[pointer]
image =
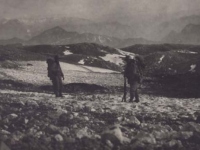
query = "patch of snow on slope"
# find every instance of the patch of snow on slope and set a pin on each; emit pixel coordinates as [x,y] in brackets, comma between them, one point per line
[114,58]
[67,52]
[109,39]
[192,68]
[103,51]
[186,52]
[117,58]
[124,52]
[82,62]
[100,40]
[100,70]
[161,58]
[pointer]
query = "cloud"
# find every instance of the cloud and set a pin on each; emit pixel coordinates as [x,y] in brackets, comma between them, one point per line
[137,10]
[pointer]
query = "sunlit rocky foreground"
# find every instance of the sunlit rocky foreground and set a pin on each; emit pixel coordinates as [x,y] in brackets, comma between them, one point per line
[38,121]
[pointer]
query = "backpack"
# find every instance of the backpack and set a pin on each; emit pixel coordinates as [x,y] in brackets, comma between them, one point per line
[134,69]
[140,65]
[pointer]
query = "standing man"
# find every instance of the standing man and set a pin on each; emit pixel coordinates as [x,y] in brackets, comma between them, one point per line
[56,75]
[133,75]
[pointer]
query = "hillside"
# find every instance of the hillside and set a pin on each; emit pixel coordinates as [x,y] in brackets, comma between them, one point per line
[168,59]
[90,54]
[160,59]
[11,41]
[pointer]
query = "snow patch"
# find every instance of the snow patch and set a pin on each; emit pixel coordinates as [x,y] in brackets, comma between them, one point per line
[103,51]
[82,62]
[113,58]
[192,68]
[100,40]
[161,58]
[186,52]
[67,52]
[125,53]
[109,39]
[100,70]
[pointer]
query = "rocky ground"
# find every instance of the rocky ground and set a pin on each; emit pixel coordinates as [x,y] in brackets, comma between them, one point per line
[39,121]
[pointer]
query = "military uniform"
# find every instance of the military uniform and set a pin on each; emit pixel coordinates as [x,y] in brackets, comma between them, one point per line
[134,79]
[55,74]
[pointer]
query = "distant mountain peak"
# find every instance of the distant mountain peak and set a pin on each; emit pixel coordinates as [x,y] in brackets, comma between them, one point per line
[12,22]
[191,28]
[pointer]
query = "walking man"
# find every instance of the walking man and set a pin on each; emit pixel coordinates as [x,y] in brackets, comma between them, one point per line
[56,75]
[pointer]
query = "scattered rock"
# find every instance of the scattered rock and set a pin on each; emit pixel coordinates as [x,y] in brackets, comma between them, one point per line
[65,119]
[69,108]
[160,135]
[52,129]
[93,110]
[64,130]
[109,143]
[182,135]
[77,107]
[75,126]
[5,132]
[12,116]
[191,126]
[75,114]
[134,121]
[86,118]
[26,121]
[174,144]
[70,140]
[58,138]
[84,132]
[88,108]
[114,135]
[61,111]
[145,138]
[120,118]
[131,122]
[44,139]
[38,134]
[18,104]
[16,136]
[32,103]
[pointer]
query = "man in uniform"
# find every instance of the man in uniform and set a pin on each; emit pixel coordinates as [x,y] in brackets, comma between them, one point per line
[56,75]
[133,75]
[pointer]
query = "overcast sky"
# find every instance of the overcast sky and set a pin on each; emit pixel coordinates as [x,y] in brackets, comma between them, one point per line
[100,9]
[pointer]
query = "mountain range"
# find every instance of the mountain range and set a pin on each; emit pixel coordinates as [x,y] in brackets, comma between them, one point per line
[55,30]
[59,36]
[34,26]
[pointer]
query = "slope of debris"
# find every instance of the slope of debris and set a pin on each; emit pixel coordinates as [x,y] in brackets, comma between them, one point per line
[31,120]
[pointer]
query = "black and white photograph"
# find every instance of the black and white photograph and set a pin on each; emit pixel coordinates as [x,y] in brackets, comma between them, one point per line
[99,74]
